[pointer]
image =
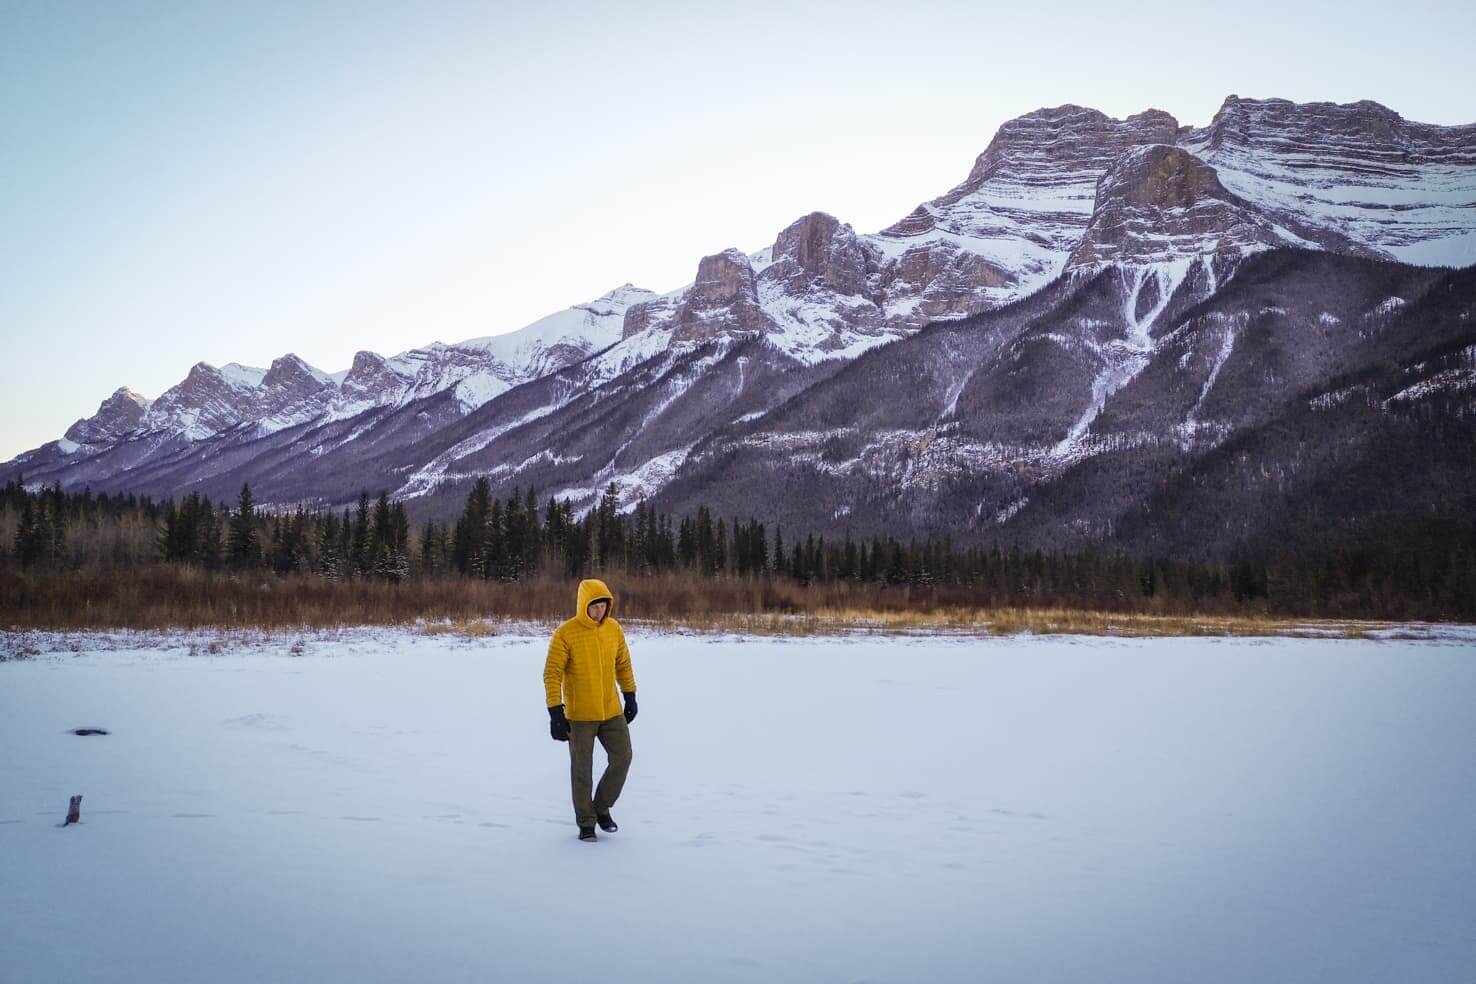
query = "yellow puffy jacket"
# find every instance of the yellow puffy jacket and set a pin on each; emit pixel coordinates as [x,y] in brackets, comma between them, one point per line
[585,658]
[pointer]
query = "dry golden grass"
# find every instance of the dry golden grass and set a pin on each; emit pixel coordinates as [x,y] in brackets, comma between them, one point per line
[1012,621]
[472,628]
[986,622]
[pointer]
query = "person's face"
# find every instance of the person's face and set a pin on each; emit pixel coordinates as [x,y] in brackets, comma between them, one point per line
[597,610]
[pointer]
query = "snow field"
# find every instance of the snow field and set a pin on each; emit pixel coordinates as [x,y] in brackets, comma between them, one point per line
[388,806]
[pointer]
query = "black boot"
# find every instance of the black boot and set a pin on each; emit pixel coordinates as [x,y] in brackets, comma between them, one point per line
[607,823]
[587,833]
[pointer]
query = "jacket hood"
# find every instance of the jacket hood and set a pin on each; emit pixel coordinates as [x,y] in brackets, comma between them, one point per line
[590,590]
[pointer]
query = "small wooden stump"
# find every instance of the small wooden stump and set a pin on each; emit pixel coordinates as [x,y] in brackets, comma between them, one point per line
[74,810]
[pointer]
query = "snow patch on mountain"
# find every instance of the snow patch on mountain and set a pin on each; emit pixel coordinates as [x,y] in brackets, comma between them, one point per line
[1124,358]
[585,327]
[632,485]
[1445,381]
[241,377]
[437,470]
[1358,171]
[477,389]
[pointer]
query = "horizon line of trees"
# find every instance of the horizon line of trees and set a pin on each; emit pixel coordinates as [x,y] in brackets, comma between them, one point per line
[513,538]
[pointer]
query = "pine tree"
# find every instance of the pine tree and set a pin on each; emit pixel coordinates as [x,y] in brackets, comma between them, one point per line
[471,530]
[608,543]
[361,557]
[211,528]
[553,523]
[345,546]
[686,544]
[26,545]
[720,549]
[494,556]
[532,533]
[399,542]
[330,561]
[578,547]
[277,548]
[242,544]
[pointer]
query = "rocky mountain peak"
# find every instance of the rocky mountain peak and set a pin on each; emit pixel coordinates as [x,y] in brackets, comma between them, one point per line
[1354,177]
[722,300]
[723,277]
[370,378]
[626,294]
[206,378]
[206,401]
[202,372]
[365,362]
[1039,146]
[124,397]
[291,372]
[119,414]
[807,241]
[639,317]
[606,320]
[820,247]
[1160,203]
[548,344]
[1261,121]
[1013,223]
[291,391]
[1161,176]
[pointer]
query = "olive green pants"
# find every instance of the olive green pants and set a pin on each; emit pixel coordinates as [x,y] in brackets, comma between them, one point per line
[614,736]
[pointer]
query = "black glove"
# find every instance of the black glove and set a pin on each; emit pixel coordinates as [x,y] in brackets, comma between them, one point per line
[558,725]
[630,707]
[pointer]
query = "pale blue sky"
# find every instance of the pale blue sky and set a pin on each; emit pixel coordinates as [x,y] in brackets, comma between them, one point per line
[229,182]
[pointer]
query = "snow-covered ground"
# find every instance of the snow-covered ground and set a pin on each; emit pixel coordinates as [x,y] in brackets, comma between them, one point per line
[388,806]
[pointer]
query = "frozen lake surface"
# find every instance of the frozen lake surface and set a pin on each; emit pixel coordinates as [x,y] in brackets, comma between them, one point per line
[388,807]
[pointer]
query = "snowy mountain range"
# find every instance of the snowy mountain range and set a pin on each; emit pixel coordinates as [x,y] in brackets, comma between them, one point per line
[1100,305]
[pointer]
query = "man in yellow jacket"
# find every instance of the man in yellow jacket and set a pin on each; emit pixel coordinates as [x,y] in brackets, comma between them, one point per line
[586,657]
